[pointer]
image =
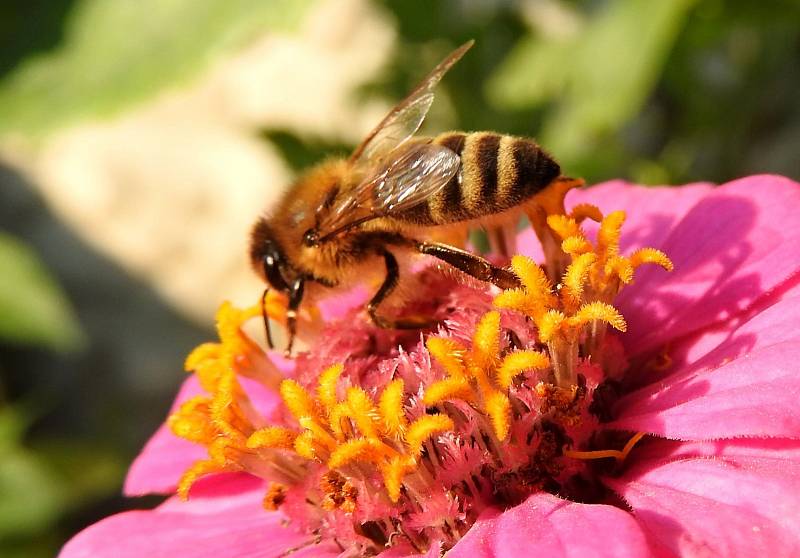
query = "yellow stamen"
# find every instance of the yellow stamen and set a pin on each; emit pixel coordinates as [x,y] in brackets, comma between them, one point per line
[339,420]
[272,437]
[498,407]
[328,380]
[225,412]
[651,255]
[192,421]
[199,469]
[448,389]
[574,280]
[425,427]
[533,278]
[602,312]
[297,400]
[363,412]
[564,226]
[449,354]
[320,434]
[620,456]
[517,299]
[391,409]
[609,234]
[621,267]
[201,354]
[550,325]
[486,341]
[357,449]
[304,446]
[393,472]
[518,362]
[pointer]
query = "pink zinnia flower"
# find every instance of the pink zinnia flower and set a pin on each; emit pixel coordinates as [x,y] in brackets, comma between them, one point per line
[526,422]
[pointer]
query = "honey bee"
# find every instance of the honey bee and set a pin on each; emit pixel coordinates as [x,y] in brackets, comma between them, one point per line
[345,218]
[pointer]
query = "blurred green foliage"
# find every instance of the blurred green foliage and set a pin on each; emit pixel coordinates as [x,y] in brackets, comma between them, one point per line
[33,308]
[34,492]
[657,91]
[114,53]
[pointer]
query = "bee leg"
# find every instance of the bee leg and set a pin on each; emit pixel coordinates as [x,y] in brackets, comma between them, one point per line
[386,288]
[469,263]
[265,317]
[503,239]
[295,298]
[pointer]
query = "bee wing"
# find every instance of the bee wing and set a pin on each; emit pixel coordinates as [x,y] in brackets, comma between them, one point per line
[413,173]
[405,118]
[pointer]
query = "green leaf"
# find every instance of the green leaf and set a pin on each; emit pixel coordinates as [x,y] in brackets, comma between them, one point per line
[616,65]
[88,470]
[32,496]
[119,52]
[33,309]
[535,71]
[597,79]
[12,427]
[621,57]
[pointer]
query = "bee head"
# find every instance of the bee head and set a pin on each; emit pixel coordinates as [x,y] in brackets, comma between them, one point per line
[269,260]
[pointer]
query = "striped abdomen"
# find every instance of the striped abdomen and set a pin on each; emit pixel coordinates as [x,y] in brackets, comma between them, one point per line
[497,172]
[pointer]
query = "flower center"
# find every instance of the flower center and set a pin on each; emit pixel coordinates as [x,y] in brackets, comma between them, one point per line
[408,447]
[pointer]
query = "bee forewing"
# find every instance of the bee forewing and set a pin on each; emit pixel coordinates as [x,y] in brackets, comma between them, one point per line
[406,117]
[412,174]
[395,131]
[415,176]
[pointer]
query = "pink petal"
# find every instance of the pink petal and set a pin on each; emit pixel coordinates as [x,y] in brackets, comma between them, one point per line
[206,526]
[165,457]
[760,325]
[716,507]
[545,525]
[736,244]
[749,379]
[780,454]
[529,245]
[651,211]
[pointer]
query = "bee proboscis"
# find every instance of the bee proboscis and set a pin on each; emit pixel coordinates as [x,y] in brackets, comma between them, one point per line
[389,198]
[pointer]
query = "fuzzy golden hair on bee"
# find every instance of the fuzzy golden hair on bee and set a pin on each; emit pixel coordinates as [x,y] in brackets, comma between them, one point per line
[397,195]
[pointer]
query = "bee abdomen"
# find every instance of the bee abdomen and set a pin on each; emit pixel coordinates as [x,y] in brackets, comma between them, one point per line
[497,172]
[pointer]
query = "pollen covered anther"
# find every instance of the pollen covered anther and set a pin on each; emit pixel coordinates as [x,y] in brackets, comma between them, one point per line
[481,376]
[572,317]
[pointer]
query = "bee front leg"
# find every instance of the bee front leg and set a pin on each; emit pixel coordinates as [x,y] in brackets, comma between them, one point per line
[469,263]
[295,298]
[386,288]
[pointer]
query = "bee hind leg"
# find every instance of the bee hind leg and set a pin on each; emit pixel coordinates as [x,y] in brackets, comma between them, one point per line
[469,263]
[386,288]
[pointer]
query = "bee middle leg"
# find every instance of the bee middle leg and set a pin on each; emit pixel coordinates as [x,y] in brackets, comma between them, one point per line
[469,263]
[386,288]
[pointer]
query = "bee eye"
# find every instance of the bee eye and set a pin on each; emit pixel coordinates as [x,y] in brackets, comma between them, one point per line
[311,238]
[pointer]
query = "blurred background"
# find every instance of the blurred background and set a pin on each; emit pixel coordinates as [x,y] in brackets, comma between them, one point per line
[139,140]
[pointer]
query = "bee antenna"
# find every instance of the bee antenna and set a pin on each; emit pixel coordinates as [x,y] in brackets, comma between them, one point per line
[265,315]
